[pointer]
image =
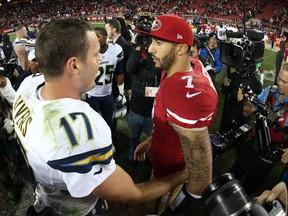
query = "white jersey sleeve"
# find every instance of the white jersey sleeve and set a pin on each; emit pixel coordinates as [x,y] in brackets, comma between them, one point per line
[8,92]
[112,56]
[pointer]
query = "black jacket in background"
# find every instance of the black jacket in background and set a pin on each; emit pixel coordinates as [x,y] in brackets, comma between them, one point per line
[144,74]
[278,62]
[127,49]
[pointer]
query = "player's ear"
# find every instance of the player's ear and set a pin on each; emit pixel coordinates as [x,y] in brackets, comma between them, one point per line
[182,49]
[72,64]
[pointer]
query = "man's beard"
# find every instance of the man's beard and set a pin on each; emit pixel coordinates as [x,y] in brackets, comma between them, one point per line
[168,60]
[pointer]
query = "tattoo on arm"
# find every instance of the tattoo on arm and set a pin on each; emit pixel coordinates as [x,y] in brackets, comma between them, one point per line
[197,152]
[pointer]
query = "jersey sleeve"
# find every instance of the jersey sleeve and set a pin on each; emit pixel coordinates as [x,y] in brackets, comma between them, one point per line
[82,173]
[120,53]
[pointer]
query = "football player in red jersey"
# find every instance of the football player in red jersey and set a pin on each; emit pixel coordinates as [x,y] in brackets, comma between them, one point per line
[184,109]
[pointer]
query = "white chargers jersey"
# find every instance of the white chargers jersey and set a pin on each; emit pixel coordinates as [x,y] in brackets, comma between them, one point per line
[67,144]
[221,32]
[29,45]
[107,69]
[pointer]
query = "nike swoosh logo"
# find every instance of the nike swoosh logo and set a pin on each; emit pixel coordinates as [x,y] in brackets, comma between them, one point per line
[98,172]
[188,95]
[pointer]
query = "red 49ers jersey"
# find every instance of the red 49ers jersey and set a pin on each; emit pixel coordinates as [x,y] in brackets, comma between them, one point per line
[207,29]
[189,100]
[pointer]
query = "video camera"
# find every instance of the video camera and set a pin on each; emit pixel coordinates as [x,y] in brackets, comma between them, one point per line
[144,23]
[267,150]
[203,38]
[7,69]
[225,196]
[246,54]
[234,137]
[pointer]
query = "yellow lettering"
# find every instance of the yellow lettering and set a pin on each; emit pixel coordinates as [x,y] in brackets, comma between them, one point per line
[22,115]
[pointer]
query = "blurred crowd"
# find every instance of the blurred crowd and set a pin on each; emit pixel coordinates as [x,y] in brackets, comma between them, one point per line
[12,15]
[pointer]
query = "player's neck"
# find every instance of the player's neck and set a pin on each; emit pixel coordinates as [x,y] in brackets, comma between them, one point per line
[181,65]
[116,36]
[58,90]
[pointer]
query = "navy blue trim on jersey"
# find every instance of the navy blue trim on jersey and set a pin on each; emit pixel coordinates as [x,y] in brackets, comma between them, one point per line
[120,55]
[83,163]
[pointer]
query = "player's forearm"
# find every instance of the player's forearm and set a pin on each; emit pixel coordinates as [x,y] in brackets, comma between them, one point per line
[157,187]
[199,164]
[148,140]
[21,53]
[119,79]
[120,186]
[23,62]
[197,151]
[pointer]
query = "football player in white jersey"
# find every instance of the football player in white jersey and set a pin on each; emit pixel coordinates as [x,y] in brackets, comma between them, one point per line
[66,143]
[19,47]
[100,98]
[22,47]
[221,33]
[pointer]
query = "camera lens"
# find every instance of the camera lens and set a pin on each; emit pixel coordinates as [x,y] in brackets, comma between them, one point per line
[226,197]
[231,54]
[6,70]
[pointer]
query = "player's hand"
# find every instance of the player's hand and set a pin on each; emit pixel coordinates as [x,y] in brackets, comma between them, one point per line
[142,149]
[3,81]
